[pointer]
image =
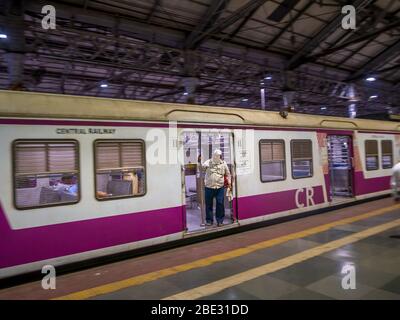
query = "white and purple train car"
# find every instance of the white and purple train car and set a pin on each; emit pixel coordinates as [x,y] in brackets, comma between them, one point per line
[85,177]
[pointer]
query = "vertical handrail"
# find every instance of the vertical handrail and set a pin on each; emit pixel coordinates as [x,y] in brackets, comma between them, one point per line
[200,177]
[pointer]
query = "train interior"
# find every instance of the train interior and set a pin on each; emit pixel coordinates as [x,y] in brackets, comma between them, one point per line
[198,147]
[340,167]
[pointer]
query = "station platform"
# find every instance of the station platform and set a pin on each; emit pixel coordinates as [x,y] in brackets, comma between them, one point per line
[305,258]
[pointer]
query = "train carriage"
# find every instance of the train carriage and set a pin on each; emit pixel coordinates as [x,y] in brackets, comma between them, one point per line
[130,173]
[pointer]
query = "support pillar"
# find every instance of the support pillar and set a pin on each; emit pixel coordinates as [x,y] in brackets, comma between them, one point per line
[15,66]
[352,95]
[263,98]
[190,84]
[288,90]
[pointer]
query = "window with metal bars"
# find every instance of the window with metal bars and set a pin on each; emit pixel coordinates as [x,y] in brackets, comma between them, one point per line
[272,160]
[120,168]
[387,154]
[46,172]
[302,159]
[371,155]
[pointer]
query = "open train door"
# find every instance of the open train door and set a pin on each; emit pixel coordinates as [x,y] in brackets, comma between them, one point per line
[340,160]
[197,147]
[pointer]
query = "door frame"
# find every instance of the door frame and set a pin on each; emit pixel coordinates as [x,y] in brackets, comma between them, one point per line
[233,173]
[351,161]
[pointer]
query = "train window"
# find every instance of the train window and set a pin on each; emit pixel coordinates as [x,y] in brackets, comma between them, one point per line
[272,160]
[371,155]
[120,169]
[302,162]
[45,173]
[387,154]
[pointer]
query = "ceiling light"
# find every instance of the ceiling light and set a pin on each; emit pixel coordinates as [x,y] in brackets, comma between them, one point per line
[268,78]
[3,36]
[245,99]
[373,97]
[104,85]
[370,79]
[185,93]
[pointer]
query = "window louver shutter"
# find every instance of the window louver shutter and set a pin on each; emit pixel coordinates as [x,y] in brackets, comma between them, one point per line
[266,151]
[62,157]
[272,151]
[387,147]
[301,150]
[278,151]
[30,158]
[371,147]
[36,158]
[107,155]
[132,154]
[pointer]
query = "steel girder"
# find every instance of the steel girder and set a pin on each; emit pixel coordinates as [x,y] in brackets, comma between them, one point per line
[300,57]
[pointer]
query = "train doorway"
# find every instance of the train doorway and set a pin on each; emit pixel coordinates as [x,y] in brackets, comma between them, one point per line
[198,146]
[340,150]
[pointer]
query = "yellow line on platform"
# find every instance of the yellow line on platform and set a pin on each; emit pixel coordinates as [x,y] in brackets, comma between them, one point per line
[219,285]
[140,279]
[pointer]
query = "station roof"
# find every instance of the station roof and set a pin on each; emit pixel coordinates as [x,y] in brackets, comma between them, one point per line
[230,49]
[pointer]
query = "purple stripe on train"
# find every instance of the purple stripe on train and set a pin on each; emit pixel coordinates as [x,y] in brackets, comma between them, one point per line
[365,186]
[263,204]
[46,242]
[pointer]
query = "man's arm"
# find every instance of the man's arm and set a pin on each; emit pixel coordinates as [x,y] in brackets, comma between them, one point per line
[206,164]
[228,174]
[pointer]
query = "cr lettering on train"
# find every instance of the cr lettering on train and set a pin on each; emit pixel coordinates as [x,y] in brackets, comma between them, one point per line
[304,197]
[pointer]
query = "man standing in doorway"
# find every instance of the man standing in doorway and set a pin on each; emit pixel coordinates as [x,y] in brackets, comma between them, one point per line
[217,176]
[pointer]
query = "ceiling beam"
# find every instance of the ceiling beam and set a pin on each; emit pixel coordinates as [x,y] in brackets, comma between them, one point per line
[155,34]
[377,61]
[224,23]
[299,58]
[211,15]
[159,35]
[244,21]
[395,67]
[153,10]
[370,23]
[290,23]
[367,36]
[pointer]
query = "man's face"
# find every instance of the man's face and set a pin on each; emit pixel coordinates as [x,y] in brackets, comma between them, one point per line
[216,157]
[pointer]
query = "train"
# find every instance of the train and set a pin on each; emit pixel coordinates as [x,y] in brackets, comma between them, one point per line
[87,177]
